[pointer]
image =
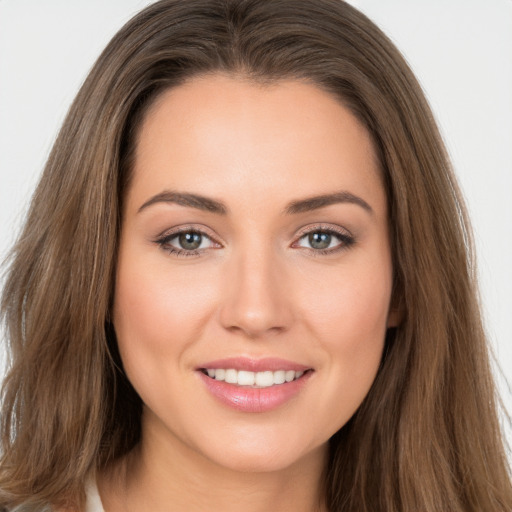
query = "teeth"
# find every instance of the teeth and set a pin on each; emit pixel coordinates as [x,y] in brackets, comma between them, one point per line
[231,377]
[255,379]
[279,377]
[245,378]
[264,379]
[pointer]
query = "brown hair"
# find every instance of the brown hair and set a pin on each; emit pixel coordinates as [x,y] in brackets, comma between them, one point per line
[425,438]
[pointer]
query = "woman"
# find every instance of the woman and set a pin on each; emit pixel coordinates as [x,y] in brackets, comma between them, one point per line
[244,281]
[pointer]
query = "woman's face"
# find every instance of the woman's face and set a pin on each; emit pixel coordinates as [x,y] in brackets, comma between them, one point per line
[254,250]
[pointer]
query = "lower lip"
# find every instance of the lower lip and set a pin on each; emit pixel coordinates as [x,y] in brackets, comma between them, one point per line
[248,399]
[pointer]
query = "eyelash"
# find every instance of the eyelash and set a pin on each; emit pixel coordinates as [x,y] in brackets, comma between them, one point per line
[164,241]
[346,241]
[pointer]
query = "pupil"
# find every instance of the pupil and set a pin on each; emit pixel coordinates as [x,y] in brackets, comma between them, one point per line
[319,240]
[190,240]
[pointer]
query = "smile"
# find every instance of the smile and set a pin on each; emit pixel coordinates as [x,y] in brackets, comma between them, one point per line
[254,385]
[262,379]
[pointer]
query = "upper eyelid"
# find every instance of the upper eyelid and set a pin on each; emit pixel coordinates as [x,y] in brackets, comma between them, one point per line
[329,228]
[169,233]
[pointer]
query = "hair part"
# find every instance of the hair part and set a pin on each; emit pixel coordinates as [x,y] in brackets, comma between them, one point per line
[425,438]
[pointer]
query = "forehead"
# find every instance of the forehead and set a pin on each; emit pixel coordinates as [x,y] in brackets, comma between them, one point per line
[222,136]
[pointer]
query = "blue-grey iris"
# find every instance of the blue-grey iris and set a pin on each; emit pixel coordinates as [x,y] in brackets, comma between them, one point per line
[190,240]
[319,240]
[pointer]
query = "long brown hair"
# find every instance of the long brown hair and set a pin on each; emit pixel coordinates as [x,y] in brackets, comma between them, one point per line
[425,438]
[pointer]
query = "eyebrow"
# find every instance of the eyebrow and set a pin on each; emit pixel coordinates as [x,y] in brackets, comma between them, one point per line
[295,207]
[187,199]
[316,202]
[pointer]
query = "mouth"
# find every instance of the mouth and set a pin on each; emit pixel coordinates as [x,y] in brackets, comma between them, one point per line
[257,380]
[254,385]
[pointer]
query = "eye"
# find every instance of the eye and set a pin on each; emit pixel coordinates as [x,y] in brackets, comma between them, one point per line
[189,240]
[325,241]
[186,242]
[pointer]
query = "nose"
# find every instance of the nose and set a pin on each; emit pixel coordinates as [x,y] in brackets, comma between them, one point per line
[257,302]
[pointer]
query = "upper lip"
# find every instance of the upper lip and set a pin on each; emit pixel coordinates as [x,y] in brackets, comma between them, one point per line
[254,365]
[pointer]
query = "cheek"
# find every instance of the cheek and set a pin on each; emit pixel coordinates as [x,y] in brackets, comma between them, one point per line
[349,321]
[352,308]
[352,334]
[158,312]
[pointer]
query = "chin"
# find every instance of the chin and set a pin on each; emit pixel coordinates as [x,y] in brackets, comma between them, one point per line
[257,453]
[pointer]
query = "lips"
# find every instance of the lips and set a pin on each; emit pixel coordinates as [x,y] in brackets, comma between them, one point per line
[250,385]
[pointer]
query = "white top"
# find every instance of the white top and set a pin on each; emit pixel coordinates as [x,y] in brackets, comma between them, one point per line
[93,502]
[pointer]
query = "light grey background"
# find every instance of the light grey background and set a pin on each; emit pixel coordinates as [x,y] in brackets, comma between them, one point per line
[461,50]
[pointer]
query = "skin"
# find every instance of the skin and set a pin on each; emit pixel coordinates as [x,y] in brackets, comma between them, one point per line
[257,288]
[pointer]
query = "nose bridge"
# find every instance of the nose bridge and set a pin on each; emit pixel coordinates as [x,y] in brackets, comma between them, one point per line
[256,301]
